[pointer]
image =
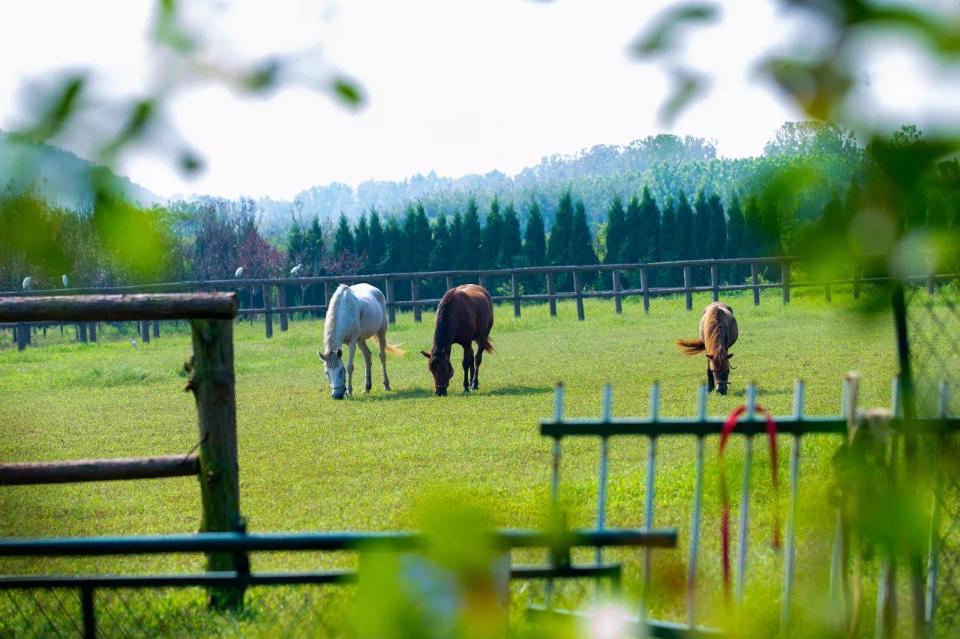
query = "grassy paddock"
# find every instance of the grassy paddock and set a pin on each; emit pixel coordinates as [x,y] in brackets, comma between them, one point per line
[310,463]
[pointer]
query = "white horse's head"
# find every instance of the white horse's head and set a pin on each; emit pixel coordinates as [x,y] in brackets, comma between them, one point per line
[336,372]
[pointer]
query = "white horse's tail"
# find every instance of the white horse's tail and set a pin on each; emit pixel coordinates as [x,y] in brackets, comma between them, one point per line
[394,349]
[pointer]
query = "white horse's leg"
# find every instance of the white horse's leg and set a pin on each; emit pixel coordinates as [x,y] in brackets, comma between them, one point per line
[382,342]
[350,353]
[367,360]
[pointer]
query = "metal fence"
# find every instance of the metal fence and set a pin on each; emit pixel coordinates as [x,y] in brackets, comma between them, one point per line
[121,605]
[939,585]
[267,298]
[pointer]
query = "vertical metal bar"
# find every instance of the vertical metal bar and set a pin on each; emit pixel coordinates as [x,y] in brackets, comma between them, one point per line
[687,290]
[651,489]
[550,297]
[602,480]
[886,592]
[790,549]
[645,289]
[617,298]
[744,522]
[694,550]
[933,557]
[554,482]
[89,613]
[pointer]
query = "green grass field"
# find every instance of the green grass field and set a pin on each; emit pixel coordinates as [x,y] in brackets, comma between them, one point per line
[308,462]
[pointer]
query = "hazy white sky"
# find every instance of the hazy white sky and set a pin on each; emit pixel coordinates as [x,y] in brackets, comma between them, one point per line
[452,86]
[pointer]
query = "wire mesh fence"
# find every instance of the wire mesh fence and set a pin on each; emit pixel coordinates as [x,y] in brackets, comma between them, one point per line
[933,331]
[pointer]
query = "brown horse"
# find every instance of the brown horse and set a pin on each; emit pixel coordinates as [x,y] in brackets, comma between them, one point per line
[464,315]
[718,332]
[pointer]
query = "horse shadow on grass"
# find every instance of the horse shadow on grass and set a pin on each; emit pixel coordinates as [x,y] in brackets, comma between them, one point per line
[418,393]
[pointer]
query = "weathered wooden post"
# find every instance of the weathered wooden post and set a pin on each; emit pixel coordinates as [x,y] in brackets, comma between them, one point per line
[827,292]
[145,331]
[391,307]
[22,334]
[267,310]
[515,290]
[617,298]
[785,281]
[755,279]
[931,283]
[550,298]
[579,293]
[645,289]
[92,331]
[212,384]
[482,279]
[715,281]
[687,291]
[156,328]
[414,297]
[282,304]
[326,297]
[449,282]
[81,333]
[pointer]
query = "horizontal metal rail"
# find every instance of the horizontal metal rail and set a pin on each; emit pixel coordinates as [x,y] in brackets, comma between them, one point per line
[326,541]
[238,579]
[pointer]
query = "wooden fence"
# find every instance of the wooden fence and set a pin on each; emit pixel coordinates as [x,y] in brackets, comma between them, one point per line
[578,282]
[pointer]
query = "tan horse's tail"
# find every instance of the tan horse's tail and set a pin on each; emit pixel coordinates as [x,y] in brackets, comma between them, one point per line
[691,346]
[394,349]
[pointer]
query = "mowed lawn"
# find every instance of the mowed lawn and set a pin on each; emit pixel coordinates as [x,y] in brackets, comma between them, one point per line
[308,462]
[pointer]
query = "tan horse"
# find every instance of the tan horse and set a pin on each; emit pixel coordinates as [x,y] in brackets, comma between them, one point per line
[718,332]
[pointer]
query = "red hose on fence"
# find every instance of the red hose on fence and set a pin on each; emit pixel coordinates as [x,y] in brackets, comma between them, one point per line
[725,431]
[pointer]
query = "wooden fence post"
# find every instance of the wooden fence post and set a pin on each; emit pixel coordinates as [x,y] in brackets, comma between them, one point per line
[81,333]
[326,297]
[931,283]
[156,328]
[391,307]
[482,280]
[617,298]
[145,331]
[579,292]
[414,296]
[785,281]
[449,282]
[212,383]
[715,281]
[22,333]
[267,310]
[550,298]
[827,292]
[645,289]
[92,331]
[755,279]
[855,276]
[515,290]
[282,304]
[687,291]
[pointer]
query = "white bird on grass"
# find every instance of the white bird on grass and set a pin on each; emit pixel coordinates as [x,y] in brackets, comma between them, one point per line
[296,269]
[65,280]
[27,282]
[238,272]
[133,343]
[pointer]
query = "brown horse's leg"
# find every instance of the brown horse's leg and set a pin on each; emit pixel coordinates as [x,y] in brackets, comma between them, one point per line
[475,384]
[467,366]
[710,384]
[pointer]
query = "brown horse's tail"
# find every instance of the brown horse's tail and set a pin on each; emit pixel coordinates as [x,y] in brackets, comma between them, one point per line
[486,344]
[691,346]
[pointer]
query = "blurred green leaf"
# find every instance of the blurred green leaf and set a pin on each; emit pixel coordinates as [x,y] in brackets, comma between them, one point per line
[348,92]
[167,29]
[264,77]
[687,86]
[60,106]
[662,34]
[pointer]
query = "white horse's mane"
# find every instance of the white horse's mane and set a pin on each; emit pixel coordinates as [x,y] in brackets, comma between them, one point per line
[342,312]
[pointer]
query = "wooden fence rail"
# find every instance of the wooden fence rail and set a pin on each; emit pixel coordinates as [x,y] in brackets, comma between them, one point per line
[603,281]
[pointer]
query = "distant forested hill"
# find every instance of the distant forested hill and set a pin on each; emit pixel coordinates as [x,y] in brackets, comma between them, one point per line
[60,177]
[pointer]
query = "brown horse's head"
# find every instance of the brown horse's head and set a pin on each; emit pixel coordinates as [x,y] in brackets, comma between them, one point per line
[441,369]
[718,367]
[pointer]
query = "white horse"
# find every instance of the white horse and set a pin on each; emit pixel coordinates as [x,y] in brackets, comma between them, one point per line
[354,314]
